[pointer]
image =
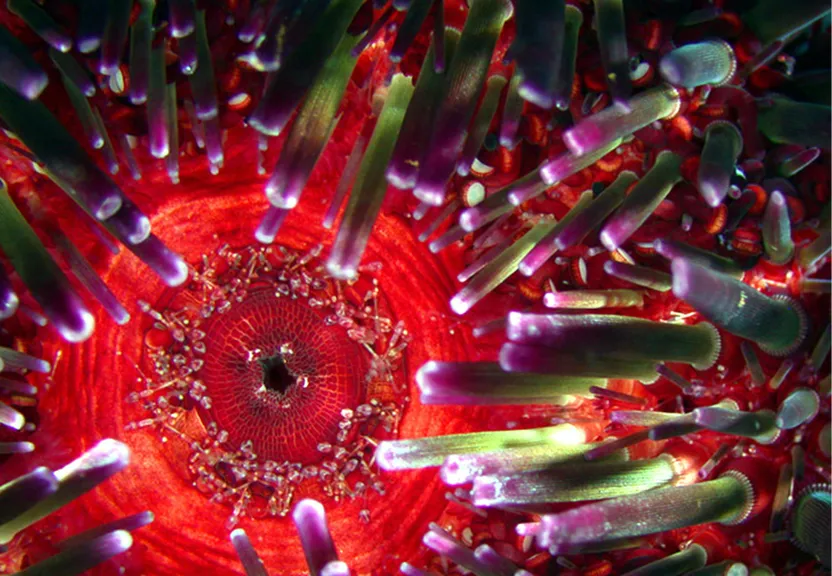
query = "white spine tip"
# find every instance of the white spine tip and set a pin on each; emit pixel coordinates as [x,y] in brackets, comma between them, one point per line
[83,333]
[306,508]
[180,276]
[459,305]
[607,241]
[384,456]
[421,381]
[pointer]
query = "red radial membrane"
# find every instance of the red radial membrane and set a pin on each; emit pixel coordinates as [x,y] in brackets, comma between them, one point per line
[280,376]
[275,376]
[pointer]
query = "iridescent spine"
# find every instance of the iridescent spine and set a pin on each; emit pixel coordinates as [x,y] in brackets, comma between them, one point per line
[130,225]
[18,69]
[188,52]
[370,185]
[574,18]
[460,555]
[463,468]
[574,232]
[181,13]
[643,199]
[583,363]
[785,121]
[446,212]
[39,272]
[441,61]
[723,144]
[346,181]
[783,371]
[777,230]
[464,81]
[777,325]
[157,127]
[798,408]
[496,205]
[485,383]
[417,453]
[172,123]
[705,63]
[418,119]
[639,275]
[311,128]
[814,253]
[335,568]
[821,350]
[249,558]
[310,520]
[82,556]
[270,224]
[63,158]
[479,129]
[561,167]
[113,36]
[141,37]
[759,425]
[92,19]
[620,336]
[10,417]
[795,163]
[75,479]
[71,69]
[613,123]
[18,361]
[107,151]
[593,299]
[772,20]
[417,11]
[615,54]
[752,362]
[287,85]
[129,523]
[672,249]
[84,114]
[483,260]
[19,495]
[538,49]
[810,522]
[9,300]
[512,112]
[170,267]
[499,269]
[574,482]
[727,499]
[87,276]
[682,562]
[202,82]
[41,23]
[547,247]
[492,560]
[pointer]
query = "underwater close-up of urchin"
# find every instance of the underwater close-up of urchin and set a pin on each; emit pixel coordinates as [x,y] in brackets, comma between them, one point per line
[418,287]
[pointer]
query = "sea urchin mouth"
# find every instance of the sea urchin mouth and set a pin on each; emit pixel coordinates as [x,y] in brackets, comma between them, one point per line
[276,376]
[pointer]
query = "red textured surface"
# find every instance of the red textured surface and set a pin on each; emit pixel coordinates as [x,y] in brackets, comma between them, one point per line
[281,426]
[86,401]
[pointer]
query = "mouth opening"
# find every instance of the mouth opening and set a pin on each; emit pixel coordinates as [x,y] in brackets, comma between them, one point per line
[276,375]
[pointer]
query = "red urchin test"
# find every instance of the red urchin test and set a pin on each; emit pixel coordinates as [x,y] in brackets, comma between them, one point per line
[332,287]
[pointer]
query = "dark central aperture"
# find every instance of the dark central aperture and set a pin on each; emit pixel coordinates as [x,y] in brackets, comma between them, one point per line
[276,375]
